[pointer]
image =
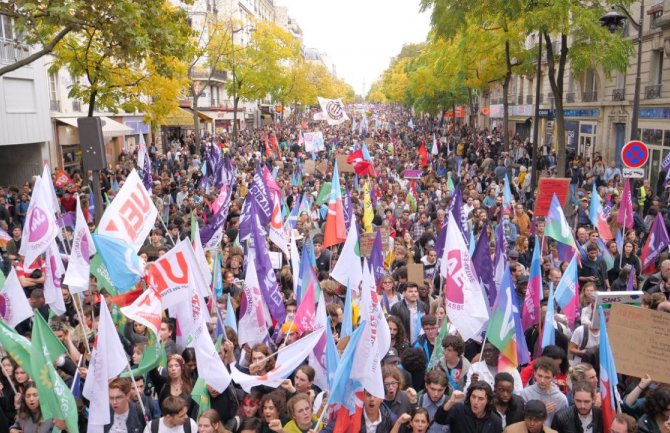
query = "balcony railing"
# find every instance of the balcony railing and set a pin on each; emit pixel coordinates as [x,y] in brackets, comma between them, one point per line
[54,105]
[529,99]
[570,97]
[589,96]
[619,95]
[652,92]
[10,52]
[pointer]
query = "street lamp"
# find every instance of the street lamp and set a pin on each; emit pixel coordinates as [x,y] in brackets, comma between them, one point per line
[613,20]
[232,44]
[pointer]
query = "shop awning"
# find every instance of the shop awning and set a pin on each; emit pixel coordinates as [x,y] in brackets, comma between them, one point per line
[179,117]
[110,128]
[206,116]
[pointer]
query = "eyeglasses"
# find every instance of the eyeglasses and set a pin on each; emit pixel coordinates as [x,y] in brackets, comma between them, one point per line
[117,398]
[390,384]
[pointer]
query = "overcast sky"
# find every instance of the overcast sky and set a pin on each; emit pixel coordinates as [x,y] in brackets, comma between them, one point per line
[360,36]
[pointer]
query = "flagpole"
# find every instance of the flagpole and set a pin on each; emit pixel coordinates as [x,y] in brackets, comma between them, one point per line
[139,395]
[74,378]
[167,231]
[82,323]
[323,412]
[11,382]
[287,335]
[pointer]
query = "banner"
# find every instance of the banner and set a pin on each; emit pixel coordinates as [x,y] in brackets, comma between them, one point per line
[63,181]
[333,110]
[131,215]
[314,141]
[40,227]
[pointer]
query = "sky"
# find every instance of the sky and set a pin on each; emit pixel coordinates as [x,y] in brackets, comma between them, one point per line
[359,36]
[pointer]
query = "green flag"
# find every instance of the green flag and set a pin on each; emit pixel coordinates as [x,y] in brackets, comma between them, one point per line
[2,279]
[438,351]
[153,356]
[99,271]
[324,194]
[200,395]
[56,399]
[16,345]
[53,344]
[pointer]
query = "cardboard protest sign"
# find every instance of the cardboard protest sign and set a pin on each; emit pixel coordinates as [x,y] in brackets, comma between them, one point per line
[640,340]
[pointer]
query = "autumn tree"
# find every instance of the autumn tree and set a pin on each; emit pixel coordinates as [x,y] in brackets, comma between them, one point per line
[114,62]
[574,38]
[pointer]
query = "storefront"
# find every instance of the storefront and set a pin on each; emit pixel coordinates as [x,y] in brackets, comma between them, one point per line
[67,133]
[581,130]
[654,130]
[521,117]
[136,123]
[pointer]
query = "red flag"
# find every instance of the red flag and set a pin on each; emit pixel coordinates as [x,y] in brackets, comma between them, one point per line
[64,181]
[361,165]
[347,423]
[126,298]
[424,153]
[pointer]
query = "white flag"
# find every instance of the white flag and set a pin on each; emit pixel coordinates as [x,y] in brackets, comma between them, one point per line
[466,307]
[333,111]
[278,234]
[141,151]
[375,340]
[107,361]
[131,215]
[53,295]
[40,227]
[288,359]
[49,187]
[14,306]
[434,150]
[174,272]
[201,261]
[347,270]
[79,265]
[251,326]
[147,309]
[295,260]
[210,365]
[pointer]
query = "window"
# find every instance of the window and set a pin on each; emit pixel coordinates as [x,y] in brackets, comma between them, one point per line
[53,86]
[656,70]
[7,28]
[652,137]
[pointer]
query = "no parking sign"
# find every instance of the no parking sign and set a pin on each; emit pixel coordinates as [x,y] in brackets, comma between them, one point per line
[634,154]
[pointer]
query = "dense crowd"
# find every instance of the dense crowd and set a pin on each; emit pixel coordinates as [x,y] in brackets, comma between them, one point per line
[462,389]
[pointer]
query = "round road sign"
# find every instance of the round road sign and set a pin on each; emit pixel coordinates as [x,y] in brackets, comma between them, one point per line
[634,154]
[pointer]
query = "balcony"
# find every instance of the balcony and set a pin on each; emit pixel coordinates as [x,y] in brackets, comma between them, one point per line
[619,95]
[76,106]
[204,75]
[590,97]
[529,99]
[54,105]
[652,92]
[570,97]
[10,51]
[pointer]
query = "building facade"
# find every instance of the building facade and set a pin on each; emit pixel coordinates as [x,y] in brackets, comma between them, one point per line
[597,108]
[24,112]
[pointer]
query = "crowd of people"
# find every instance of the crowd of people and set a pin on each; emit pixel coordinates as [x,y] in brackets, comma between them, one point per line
[463,391]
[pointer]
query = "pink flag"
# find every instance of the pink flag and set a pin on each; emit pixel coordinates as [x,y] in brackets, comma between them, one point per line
[271,182]
[305,315]
[625,217]
[40,227]
[220,199]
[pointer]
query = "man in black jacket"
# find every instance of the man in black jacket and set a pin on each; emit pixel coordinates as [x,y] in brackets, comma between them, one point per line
[408,311]
[583,416]
[476,415]
[125,415]
[507,405]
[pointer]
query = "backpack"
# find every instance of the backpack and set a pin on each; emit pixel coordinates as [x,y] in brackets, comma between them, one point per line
[156,423]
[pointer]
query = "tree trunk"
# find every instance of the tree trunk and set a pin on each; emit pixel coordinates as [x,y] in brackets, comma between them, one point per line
[91,103]
[508,76]
[556,83]
[196,118]
[236,100]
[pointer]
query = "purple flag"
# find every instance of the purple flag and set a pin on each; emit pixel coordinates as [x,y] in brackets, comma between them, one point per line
[481,260]
[261,195]
[441,240]
[655,244]
[146,174]
[267,281]
[630,284]
[457,211]
[348,208]
[373,196]
[216,221]
[377,258]
[665,165]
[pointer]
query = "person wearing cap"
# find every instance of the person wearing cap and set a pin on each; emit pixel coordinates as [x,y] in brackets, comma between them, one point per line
[535,415]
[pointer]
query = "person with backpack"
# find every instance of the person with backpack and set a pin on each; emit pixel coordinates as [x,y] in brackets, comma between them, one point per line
[174,419]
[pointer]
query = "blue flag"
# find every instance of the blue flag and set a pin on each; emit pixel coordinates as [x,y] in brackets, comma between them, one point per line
[218,277]
[121,261]
[343,386]
[230,315]
[347,317]
[332,355]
